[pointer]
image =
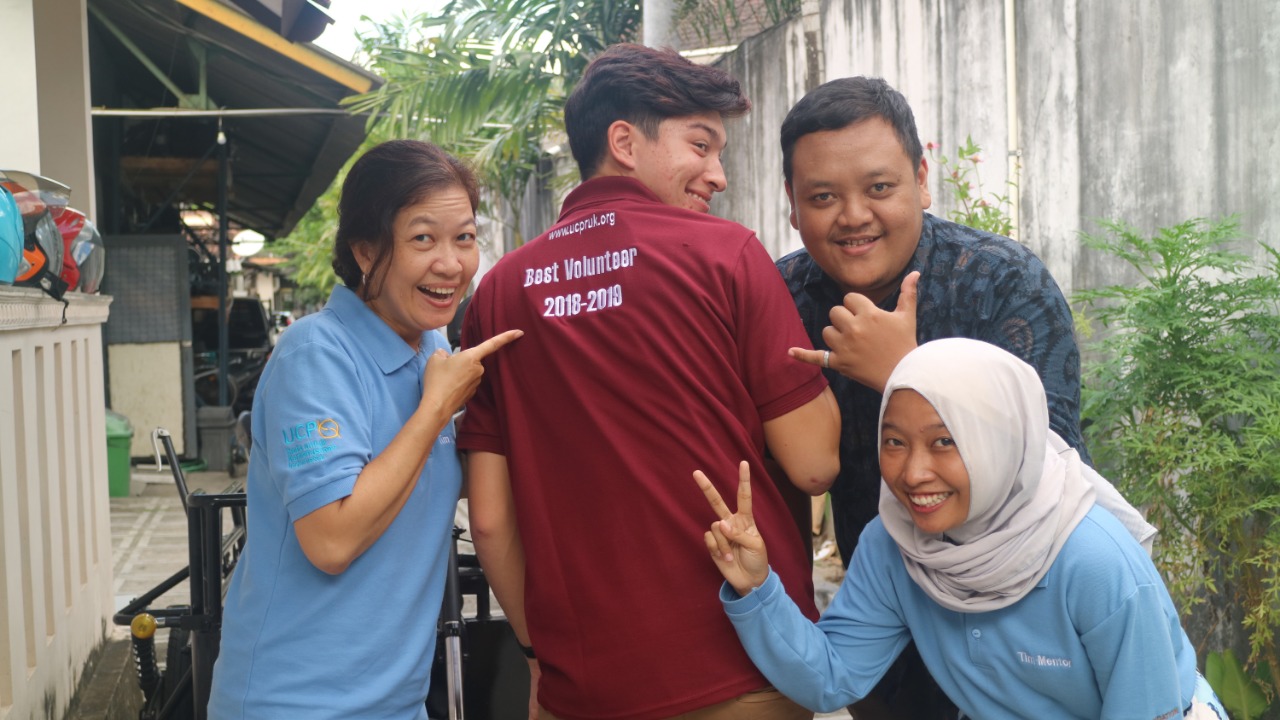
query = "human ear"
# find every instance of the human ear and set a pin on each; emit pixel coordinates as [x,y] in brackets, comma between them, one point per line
[922,179]
[363,252]
[620,139]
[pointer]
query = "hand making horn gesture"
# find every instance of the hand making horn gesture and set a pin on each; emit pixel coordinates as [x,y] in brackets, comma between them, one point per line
[733,541]
[867,342]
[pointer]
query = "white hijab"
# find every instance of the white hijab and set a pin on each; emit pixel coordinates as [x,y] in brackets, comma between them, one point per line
[1027,489]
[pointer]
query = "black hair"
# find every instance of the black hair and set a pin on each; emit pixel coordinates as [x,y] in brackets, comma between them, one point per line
[388,178]
[642,86]
[840,103]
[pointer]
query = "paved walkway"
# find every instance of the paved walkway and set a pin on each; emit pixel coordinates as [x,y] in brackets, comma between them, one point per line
[149,539]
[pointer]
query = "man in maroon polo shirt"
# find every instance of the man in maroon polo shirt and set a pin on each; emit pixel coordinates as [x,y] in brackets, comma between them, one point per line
[655,344]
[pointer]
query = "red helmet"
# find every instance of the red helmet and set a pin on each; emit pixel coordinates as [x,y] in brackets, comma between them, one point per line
[70,224]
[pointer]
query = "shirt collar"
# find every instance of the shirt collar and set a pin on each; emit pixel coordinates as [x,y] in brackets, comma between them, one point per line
[606,188]
[388,349]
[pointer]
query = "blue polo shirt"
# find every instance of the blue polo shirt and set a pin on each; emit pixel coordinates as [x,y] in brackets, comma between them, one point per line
[1098,637]
[297,642]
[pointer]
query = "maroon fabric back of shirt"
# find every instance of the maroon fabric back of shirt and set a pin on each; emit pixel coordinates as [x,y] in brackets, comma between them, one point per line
[655,345]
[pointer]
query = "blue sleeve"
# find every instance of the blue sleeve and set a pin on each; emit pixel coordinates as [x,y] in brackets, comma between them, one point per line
[1133,653]
[316,428]
[833,663]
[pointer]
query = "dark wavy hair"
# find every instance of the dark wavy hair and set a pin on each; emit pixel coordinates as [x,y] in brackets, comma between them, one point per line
[840,103]
[642,86]
[388,178]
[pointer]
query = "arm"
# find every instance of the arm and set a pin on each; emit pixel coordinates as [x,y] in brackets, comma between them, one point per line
[498,546]
[333,536]
[806,443]
[824,666]
[1034,322]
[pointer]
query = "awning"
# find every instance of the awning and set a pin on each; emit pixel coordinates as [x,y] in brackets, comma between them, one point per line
[278,102]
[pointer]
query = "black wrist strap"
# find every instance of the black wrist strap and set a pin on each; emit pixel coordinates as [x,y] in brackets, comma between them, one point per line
[527,650]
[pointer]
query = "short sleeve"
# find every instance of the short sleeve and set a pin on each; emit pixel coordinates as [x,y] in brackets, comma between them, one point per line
[316,443]
[1133,654]
[767,325]
[480,428]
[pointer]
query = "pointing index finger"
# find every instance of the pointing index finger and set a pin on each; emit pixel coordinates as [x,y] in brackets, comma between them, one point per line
[490,346]
[804,355]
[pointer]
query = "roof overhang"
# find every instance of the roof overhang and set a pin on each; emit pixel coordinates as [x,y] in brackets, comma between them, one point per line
[209,64]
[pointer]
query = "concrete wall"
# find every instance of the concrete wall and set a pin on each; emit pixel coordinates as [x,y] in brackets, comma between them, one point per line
[55,542]
[775,70]
[1148,112]
[19,131]
[45,127]
[62,62]
[55,539]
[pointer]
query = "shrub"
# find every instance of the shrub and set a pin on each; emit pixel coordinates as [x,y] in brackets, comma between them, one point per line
[1182,412]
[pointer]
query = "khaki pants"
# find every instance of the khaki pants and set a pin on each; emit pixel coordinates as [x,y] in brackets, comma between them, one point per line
[763,704]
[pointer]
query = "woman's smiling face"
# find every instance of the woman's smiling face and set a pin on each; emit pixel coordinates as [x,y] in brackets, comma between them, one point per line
[434,256]
[921,464]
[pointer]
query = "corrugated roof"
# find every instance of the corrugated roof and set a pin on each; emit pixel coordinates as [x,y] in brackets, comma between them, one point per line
[279,165]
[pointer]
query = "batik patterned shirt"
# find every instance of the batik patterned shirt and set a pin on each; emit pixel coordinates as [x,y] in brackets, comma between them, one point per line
[973,284]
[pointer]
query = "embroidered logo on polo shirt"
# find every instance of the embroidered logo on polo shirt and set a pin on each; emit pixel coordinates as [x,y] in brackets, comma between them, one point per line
[1043,660]
[309,442]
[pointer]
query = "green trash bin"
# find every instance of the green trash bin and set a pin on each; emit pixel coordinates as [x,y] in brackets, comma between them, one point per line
[119,438]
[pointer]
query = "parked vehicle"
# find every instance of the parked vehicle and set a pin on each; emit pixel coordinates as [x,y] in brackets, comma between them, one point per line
[250,338]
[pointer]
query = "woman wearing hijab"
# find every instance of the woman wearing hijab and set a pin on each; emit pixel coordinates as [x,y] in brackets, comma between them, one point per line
[354,475]
[993,550]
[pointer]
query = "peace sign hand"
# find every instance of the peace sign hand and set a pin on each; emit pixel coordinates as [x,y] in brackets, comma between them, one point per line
[734,541]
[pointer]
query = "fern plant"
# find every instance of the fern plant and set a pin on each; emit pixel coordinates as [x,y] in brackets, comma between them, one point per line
[1183,414]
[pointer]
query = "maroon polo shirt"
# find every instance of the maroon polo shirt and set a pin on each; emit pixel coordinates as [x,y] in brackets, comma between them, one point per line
[655,345]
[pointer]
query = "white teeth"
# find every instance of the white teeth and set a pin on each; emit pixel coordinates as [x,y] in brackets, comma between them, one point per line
[854,243]
[442,294]
[928,500]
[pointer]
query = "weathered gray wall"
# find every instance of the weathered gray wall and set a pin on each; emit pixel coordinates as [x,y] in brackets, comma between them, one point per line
[775,73]
[1150,112]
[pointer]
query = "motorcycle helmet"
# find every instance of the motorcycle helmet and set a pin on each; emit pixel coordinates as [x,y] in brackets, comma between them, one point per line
[90,256]
[11,236]
[70,223]
[38,198]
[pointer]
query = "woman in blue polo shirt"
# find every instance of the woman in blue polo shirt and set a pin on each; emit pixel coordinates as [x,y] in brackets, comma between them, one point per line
[1025,597]
[353,476]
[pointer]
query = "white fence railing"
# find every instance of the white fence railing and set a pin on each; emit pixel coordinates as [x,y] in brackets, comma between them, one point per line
[55,538]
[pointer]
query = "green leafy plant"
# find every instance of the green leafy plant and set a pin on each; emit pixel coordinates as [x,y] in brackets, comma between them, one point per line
[1182,412]
[1238,692]
[974,207]
[487,79]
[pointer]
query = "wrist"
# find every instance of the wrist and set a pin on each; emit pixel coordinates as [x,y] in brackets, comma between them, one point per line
[526,650]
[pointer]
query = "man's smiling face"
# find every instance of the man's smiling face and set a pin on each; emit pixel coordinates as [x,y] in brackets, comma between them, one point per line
[682,164]
[858,203]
